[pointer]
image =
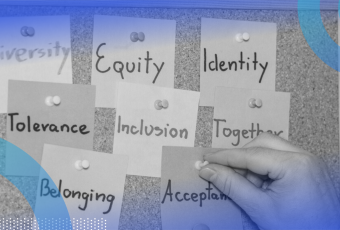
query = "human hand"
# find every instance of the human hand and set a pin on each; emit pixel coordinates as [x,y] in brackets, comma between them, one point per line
[278,185]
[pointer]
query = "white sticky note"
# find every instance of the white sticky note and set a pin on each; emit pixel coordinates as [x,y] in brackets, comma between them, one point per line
[116,58]
[235,123]
[44,57]
[225,62]
[31,123]
[187,200]
[101,186]
[141,130]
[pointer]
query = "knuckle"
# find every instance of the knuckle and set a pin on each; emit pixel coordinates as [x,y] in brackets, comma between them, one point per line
[306,161]
[265,136]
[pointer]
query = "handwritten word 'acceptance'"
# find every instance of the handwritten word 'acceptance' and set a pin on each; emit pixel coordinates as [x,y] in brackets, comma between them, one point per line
[193,197]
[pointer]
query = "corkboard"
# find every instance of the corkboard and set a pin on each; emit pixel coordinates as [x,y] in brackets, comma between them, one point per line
[313,86]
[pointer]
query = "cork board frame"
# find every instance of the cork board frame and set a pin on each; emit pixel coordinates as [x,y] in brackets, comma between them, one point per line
[313,85]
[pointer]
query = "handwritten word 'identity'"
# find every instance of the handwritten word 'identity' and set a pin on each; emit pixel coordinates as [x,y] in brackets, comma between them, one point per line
[241,64]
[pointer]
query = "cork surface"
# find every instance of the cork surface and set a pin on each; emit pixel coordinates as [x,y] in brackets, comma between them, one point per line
[313,86]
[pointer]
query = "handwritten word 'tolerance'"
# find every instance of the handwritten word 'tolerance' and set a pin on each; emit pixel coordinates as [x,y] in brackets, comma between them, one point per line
[119,66]
[21,126]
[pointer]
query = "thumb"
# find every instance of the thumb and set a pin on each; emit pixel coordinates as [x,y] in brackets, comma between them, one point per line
[239,189]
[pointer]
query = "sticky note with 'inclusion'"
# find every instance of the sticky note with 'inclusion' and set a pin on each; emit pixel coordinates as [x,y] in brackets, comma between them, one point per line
[141,130]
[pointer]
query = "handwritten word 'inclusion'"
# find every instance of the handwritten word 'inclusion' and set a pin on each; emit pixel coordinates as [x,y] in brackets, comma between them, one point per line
[150,129]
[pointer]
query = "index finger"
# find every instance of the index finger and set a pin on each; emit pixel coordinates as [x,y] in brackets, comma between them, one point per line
[259,160]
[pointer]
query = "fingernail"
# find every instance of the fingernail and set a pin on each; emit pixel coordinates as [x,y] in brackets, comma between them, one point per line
[207,173]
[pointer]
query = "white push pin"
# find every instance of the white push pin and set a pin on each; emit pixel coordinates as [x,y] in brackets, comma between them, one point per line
[134,37]
[56,100]
[239,38]
[30,31]
[200,227]
[245,36]
[242,37]
[78,165]
[50,101]
[23,31]
[85,164]
[255,103]
[161,104]
[199,164]
[141,36]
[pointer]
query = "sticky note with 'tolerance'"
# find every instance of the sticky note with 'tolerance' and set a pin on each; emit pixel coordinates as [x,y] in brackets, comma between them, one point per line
[32,122]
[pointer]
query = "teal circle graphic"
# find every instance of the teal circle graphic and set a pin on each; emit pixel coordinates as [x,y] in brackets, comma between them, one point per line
[316,35]
[50,210]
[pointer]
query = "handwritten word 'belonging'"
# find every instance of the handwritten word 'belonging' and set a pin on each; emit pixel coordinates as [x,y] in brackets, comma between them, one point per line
[45,190]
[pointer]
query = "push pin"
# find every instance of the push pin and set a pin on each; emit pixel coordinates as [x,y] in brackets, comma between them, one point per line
[79,165]
[161,104]
[255,103]
[199,164]
[141,36]
[137,36]
[27,31]
[134,37]
[50,101]
[242,37]
[200,227]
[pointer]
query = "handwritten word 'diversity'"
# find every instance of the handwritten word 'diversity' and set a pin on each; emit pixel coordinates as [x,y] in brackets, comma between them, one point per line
[148,130]
[45,190]
[246,133]
[37,127]
[23,54]
[241,64]
[193,197]
[120,68]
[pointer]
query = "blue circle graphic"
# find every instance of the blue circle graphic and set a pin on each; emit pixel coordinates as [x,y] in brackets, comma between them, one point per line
[316,35]
[47,209]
